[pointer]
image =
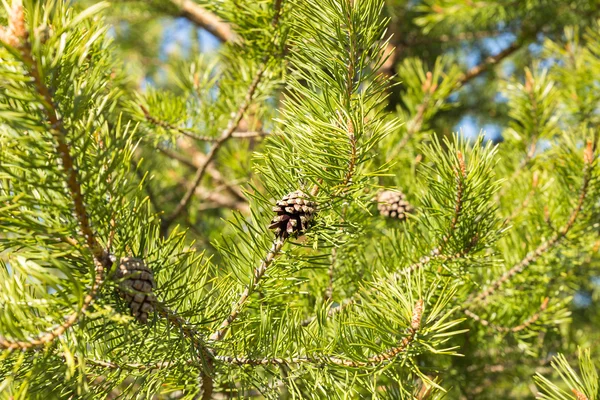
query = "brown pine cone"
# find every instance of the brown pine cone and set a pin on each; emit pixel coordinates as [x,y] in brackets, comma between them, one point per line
[294,214]
[393,204]
[135,286]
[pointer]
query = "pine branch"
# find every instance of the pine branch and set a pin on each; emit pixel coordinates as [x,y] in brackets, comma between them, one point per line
[256,278]
[522,326]
[554,240]
[149,192]
[186,132]
[205,19]
[198,158]
[355,298]
[461,176]
[415,124]
[225,136]
[525,203]
[436,253]
[489,62]
[102,261]
[374,360]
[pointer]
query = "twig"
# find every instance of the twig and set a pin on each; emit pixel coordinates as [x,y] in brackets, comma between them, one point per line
[149,192]
[101,257]
[186,328]
[461,176]
[170,127]
[355,298]
[256,277]
[522,326]
[415,124]
[205,19]
[186,132]
[489,62]
[436,253]
[206,354]
[525,202]
[225,136]
[415,325]
[376,359]
[554,240]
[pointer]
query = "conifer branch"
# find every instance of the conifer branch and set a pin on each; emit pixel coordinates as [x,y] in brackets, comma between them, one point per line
[250,288]
[225,136]
[355,298]
[205,19]
[376,359]
[415,325]
[489,62]
[415,123]
[19,37]
[70,320]
[522,326]
[436,253]
[192,135]
[555,239]
[527,199]
[461,175]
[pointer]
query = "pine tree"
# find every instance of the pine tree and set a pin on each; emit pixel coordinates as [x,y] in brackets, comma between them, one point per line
[289,214]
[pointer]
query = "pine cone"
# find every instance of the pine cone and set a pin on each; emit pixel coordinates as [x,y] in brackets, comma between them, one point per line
[294,214]
[136,285]
[393,204]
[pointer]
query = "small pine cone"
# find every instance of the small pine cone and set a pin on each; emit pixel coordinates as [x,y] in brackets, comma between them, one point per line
[136,285]
[393,204]
[294,214]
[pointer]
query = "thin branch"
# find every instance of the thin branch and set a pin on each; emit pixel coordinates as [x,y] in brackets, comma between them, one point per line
[355,298]
[146,185]
[225,136]
[186,328]
[170,127]
[522,326]
[415,124]
[461,176]
[374,360]
[436,253]
[193,135]
[252,286]
[319,360]
[527,199]
[489,62]
[189,331]
[100,256]
[205,19]
[554,240]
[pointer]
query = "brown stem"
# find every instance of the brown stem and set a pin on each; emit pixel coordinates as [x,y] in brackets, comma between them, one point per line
[225,136]
[205,19]
[415,124]
[489,62]
[250,288]
[192,135]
